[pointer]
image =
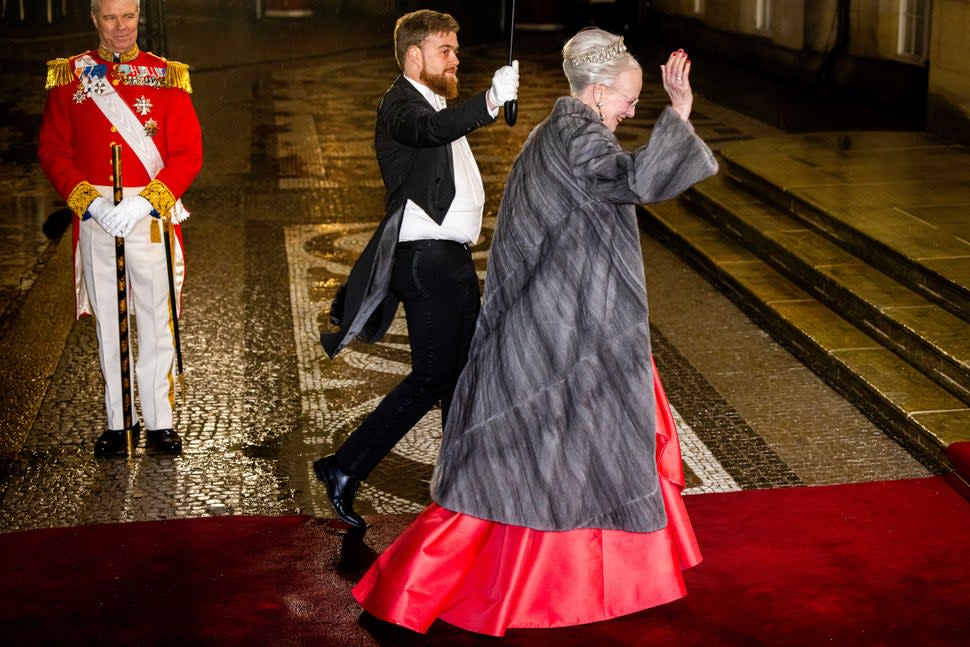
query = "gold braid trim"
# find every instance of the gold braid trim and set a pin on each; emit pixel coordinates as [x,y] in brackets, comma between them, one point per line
[177,76]
[161,198]
[81,198]
[126,57]
[59,73]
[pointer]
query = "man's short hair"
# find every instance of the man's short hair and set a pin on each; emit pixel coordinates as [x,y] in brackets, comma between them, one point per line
[412,28]
[96,6]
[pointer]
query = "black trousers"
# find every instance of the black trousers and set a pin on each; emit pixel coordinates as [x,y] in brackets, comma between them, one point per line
[436,282]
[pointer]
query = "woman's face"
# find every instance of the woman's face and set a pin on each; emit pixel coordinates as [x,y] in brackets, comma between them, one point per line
[617,101]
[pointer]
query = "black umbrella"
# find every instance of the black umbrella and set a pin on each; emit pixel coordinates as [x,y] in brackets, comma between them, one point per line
[511,107]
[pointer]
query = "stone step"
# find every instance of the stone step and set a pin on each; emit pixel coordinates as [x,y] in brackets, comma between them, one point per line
[932,339]
[898,201]
[908,405]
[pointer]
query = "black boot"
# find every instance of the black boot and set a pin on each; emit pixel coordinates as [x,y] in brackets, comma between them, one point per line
[341,489]
[114,443]
[164,441]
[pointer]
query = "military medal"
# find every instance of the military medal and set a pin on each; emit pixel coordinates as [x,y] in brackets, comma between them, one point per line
[151,127]
[140,75]
[99,86]
[143,106]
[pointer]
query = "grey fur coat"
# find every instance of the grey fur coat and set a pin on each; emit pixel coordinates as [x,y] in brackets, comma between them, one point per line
[553,421]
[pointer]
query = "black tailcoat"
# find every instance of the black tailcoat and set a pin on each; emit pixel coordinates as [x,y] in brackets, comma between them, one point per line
[413,144]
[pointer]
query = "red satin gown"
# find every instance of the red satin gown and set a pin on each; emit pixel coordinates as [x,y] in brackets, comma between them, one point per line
[487,577]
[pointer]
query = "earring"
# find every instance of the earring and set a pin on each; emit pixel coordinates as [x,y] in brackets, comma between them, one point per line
[599,110]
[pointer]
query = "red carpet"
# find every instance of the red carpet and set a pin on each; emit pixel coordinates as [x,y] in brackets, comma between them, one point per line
[865,564]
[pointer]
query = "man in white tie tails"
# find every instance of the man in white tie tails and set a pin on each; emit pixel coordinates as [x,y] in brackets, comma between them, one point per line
[419,255]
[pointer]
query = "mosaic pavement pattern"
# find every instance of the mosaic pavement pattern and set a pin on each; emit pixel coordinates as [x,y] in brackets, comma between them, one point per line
[337,394]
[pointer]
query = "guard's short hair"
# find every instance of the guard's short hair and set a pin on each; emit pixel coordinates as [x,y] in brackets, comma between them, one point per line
[412,28]
[96,6]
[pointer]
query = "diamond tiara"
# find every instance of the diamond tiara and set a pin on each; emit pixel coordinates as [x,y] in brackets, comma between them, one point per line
[600,54]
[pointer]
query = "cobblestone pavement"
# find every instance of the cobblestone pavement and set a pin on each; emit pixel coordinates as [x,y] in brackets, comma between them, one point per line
[290,194]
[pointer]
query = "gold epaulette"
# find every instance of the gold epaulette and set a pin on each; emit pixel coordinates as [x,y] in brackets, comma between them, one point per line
[177,76]
[59,73]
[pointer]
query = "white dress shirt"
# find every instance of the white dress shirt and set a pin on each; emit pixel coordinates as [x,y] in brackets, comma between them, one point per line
[463,220]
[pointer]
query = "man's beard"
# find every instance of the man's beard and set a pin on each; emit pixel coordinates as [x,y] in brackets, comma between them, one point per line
[445,86]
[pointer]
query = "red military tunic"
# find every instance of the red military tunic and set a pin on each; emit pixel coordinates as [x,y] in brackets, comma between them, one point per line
[76,137]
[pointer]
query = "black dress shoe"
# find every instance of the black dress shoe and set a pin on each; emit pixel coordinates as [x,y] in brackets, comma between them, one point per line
[114,443]
[164,441]
[341,489]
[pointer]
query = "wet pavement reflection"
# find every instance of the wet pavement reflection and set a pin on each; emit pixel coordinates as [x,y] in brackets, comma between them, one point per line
[288,198]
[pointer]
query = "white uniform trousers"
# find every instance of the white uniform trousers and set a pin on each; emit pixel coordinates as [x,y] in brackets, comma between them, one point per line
[148,300]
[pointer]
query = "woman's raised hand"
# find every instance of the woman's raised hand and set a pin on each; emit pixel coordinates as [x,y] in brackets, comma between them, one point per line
[676,81]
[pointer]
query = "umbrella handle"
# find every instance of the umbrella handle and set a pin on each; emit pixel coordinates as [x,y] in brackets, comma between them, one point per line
[511,111]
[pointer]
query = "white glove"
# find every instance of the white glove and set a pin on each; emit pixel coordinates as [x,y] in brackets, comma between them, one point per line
[128,213]
[99,210]
[505,84]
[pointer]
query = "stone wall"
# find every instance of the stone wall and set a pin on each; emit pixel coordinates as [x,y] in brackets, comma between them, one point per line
[948,103]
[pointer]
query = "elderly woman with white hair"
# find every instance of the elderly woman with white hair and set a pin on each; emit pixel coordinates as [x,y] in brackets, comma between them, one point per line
[557,492]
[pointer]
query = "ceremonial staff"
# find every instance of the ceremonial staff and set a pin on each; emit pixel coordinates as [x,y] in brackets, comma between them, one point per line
[511,107]
[167,233]
[122,306]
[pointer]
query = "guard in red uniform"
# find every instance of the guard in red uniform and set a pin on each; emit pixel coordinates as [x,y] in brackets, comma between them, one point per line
[118,94]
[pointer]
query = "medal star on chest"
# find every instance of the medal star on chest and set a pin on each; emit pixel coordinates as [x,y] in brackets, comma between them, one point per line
[100,86]
[143,105]
[151,127]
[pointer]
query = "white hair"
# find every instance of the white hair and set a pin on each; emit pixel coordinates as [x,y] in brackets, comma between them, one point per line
[595,56]
[96,6]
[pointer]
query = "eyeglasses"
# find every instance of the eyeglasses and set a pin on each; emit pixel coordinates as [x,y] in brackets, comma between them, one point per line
[630,102]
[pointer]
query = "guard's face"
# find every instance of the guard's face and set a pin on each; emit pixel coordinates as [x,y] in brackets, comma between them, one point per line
[117,24]
[439,64]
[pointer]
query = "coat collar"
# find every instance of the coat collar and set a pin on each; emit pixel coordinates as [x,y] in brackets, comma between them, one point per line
[126,57]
